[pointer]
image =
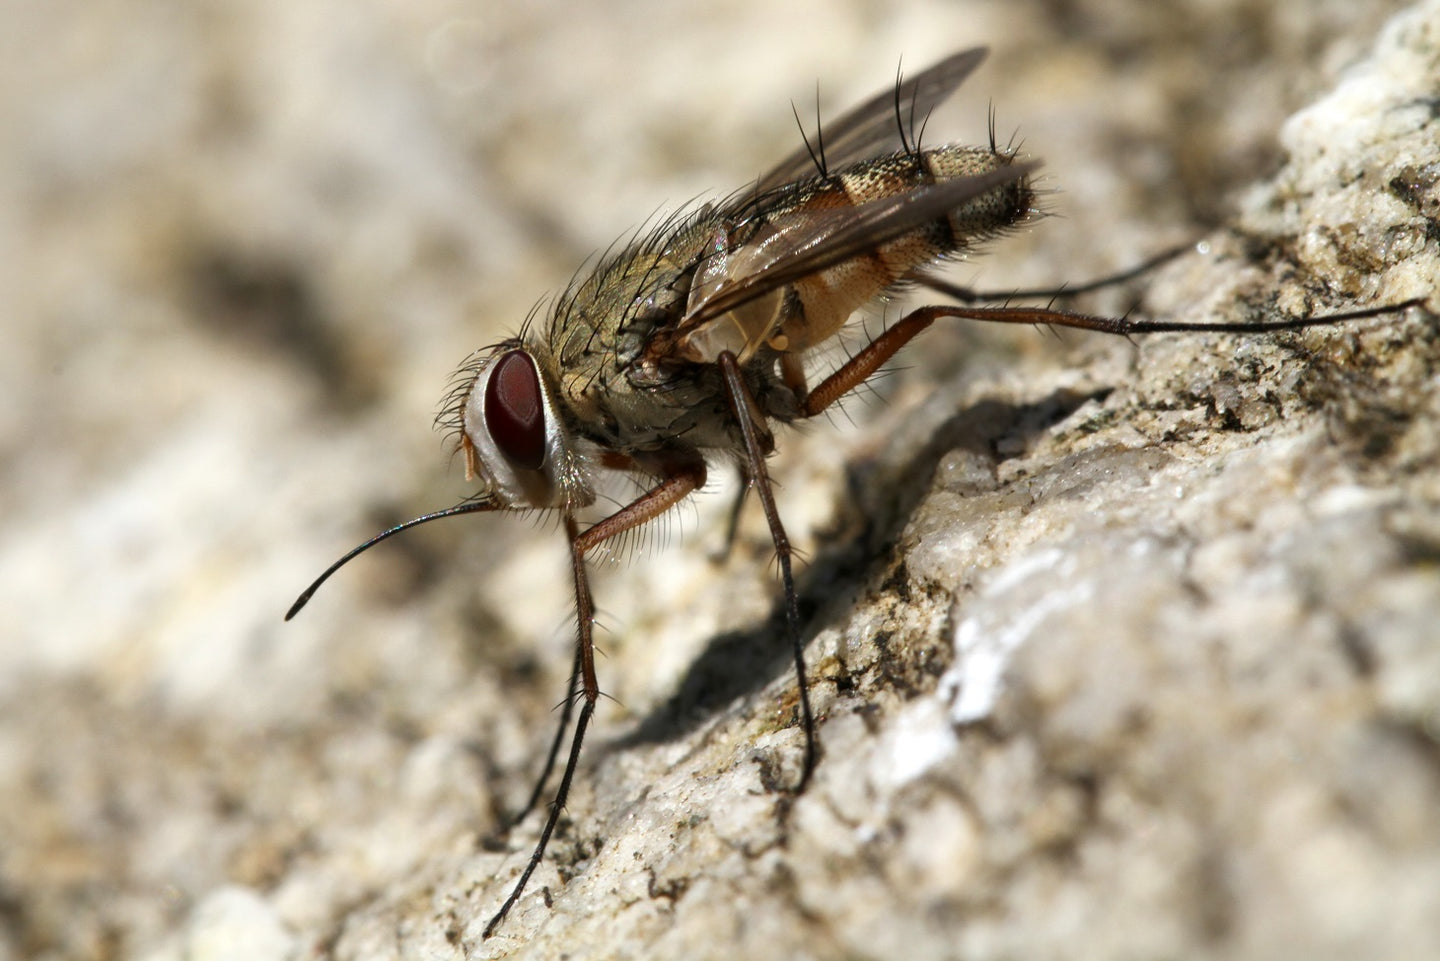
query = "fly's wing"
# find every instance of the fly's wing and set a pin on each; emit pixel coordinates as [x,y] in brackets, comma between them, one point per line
[805,242]
[874,127]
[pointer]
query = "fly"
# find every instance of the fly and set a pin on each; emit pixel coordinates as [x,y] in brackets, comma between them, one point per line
[689,346]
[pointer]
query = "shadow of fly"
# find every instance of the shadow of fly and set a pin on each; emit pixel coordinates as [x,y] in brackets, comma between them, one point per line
[688,346]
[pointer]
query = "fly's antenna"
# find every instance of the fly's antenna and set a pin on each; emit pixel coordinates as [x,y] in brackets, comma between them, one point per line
[469,507]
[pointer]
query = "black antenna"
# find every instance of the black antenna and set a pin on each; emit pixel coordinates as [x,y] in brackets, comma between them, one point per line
[467,508]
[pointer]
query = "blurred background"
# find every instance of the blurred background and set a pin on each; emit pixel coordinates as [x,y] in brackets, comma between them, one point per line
[243,245]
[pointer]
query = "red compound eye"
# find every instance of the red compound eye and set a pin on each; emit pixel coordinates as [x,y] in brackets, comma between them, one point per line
[514,413]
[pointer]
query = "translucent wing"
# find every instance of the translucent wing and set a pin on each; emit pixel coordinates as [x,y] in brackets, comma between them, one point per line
[874,127]
[804,242]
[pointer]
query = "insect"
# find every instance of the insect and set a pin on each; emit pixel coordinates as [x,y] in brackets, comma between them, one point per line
[688,346]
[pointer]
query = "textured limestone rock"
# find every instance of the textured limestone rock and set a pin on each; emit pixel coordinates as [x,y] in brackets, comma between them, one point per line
[1124,650]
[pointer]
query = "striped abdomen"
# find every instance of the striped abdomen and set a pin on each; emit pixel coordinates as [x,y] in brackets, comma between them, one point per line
[828,297]
[796,263]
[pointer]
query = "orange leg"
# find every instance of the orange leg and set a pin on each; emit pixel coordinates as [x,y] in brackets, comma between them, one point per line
[882,348]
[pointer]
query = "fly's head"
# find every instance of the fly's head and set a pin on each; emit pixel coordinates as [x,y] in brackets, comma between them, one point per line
[512,434]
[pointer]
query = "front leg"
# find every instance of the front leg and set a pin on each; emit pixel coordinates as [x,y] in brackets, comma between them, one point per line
[684,474]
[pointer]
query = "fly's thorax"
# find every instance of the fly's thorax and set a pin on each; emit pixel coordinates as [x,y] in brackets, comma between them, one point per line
[602,326]
[513,433]
[622,389]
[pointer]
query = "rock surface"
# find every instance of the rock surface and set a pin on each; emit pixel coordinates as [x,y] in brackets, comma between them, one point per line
[1123,650]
